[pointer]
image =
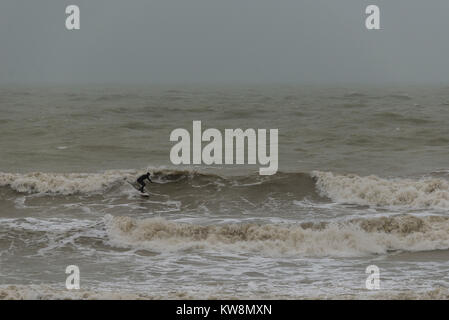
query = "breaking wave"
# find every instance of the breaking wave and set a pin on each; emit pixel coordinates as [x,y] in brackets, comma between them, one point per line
[95,183]
[62,183]
[80,183]
[345,238]
[424,193]
[376,191]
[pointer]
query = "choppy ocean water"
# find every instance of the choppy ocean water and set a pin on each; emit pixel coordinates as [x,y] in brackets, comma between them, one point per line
[362,180]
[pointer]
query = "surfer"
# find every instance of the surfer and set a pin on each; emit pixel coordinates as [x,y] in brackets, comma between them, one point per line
[141,181]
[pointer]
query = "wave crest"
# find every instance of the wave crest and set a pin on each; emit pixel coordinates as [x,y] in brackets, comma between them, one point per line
[345,238]
[375,191]
[80,183]
[94,183]
[62,183]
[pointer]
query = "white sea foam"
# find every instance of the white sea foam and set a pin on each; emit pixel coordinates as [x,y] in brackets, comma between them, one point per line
[439,293]
[64,183]
[46,292]
[83,183]
[375,191]
[354,237]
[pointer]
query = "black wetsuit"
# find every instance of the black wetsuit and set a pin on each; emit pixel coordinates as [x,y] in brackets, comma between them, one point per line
[141,181]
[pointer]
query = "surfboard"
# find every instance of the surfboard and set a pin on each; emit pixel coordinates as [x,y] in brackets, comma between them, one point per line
[135,186]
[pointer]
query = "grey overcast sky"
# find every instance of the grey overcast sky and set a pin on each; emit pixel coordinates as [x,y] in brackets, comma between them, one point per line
[216,41]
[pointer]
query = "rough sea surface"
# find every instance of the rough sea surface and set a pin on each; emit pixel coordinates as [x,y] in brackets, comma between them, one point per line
[363,180]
